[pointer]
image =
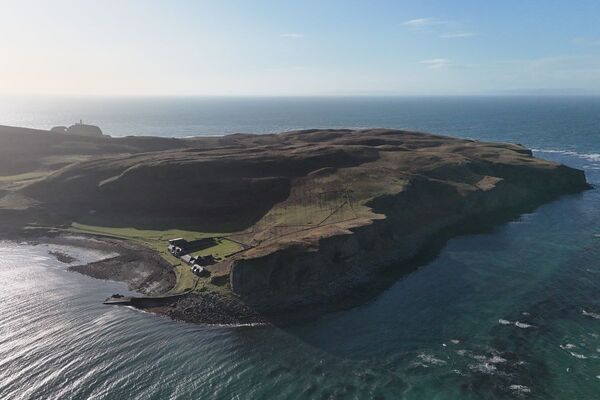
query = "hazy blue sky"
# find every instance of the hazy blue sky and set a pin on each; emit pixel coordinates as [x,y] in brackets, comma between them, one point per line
[298,47]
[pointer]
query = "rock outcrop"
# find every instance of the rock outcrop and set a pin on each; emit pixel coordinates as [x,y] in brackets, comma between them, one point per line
[84,130]
[80,129]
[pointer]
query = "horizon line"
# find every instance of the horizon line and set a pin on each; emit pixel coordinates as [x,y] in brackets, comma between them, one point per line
[549,93]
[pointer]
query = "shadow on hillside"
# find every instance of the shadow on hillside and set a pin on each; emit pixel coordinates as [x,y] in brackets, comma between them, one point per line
[195,223]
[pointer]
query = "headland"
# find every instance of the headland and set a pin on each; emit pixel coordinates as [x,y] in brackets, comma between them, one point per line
[289,222]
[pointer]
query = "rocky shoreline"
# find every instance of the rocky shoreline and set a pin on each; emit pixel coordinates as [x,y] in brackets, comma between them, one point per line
[211,309]
[140,268]
[147,273]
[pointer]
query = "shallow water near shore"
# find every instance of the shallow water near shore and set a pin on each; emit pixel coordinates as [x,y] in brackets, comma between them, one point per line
[509,314]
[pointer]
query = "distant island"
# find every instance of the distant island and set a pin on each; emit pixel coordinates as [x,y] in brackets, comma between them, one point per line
[242,228]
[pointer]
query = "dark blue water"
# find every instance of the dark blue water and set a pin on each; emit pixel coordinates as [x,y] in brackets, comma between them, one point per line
[546,122]
[512,313]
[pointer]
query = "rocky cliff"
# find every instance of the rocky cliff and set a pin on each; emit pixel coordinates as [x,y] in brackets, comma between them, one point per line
[448,185]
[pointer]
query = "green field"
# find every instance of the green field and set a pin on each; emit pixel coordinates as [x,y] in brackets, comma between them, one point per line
[221,250]
[157,241]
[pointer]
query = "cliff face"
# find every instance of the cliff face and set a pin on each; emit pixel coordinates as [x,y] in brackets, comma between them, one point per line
[433,203]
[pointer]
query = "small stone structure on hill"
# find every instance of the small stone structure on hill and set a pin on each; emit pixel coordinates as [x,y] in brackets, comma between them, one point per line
[79,129]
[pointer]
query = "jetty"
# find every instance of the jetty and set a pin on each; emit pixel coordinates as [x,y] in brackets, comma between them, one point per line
[142,302]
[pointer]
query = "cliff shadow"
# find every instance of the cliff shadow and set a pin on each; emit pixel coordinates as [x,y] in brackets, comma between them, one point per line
[386,277]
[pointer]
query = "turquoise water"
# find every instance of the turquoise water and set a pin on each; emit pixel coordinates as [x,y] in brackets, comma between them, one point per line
[511,313]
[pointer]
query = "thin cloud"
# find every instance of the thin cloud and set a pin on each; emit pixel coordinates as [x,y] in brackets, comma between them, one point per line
[436,63]
[445,29]
[457,35]
[419,23]
[292,35]
[581,41]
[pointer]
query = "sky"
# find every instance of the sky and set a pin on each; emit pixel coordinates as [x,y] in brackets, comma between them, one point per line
[287,48]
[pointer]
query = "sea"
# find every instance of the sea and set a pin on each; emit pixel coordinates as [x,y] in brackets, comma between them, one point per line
[511,313]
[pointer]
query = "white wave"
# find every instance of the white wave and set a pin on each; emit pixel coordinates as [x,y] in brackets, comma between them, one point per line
[497,360]
[518,324]
[590,314]
[429,359]
[593,157]
[484,368]
[487,364]
[240,325]
[567,346]
[454,341]
[139,310]
[523,325]
[520,388]
[577,355]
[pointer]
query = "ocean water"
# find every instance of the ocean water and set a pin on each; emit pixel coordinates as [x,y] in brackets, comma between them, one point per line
[509,314]
[547,122]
